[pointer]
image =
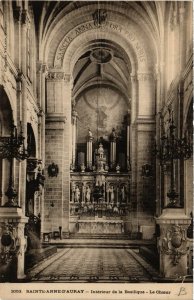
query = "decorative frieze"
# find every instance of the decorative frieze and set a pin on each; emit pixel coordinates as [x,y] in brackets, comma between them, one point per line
[55,75]
[58,75]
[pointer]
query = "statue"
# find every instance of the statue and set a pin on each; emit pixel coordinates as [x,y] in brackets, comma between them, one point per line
[113,135]
[89,133]
[118,168]
[77,194]
[123,194]
[101,151]
[73,193]
[88,193]
[112,197]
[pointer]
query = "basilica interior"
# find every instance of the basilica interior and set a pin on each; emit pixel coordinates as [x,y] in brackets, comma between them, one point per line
[96,134]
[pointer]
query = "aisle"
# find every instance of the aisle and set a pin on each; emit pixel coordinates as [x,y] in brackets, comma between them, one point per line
[96,264]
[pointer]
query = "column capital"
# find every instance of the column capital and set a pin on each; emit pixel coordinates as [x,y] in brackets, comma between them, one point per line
[74,115]
[25,18]
[42,67]
[145,76]
[56,75]
[133,77]
[17,14]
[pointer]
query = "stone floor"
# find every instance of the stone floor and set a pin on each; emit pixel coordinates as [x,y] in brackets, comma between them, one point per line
[94,265]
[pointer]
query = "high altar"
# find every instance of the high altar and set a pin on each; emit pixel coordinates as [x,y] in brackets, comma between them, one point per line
[99,194]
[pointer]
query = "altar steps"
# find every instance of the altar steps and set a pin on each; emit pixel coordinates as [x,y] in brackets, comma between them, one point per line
[104,241]
[121,236]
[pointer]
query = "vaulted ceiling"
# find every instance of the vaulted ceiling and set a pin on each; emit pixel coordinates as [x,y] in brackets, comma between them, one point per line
[102,62]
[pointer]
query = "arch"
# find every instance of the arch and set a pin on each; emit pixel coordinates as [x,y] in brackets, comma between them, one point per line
[66,41]
[189,107]
[103,83]
[120,13]
[6,115]
[31,140]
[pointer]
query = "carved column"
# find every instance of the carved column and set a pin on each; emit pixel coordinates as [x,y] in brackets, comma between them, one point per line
[74,136]
[41,84]
[67,153]
[173,244]
[113,149]
[128,123]
[89,152]
[22,107]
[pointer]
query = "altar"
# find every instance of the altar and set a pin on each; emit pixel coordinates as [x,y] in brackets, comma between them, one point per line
[100,225]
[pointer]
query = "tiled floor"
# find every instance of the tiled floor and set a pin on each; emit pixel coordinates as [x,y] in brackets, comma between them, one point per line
[93,264]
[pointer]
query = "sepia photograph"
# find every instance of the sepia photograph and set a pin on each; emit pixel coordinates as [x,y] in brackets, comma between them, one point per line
[96,150]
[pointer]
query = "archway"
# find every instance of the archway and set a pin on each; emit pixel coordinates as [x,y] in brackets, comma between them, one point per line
[71,51]
[6,118]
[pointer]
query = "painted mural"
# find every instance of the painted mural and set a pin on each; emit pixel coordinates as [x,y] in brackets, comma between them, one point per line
[100,109]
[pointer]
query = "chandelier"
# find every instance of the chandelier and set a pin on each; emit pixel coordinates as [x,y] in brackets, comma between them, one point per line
[170,149]
[13,147]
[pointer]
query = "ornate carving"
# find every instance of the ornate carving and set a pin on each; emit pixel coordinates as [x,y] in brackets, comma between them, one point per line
[67,78]
[147,170]
[58,75]
[100,17]
[53,170]
[55,75]
[17,14]
[25,18]
[32,164]
[145,76]
[9,243]
[174,243]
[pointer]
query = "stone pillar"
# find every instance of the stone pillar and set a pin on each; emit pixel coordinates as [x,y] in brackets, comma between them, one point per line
[17,51]
[56,142]
[146,103]
[145,133]
[128,123]
[89,152]
[12,227]
[173,245]
[25,23]
[113,149]
[74,136]
[133,137]
[67,153]
[41,74]
[182,35]
[22,101]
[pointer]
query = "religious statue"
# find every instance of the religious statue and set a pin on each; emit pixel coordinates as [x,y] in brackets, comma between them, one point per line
[83,193]
[113,135]
[112,197]
[118,168]
[101,151]
[88,193]
[77,194]
[122,194]
[73,193]
[89,133]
